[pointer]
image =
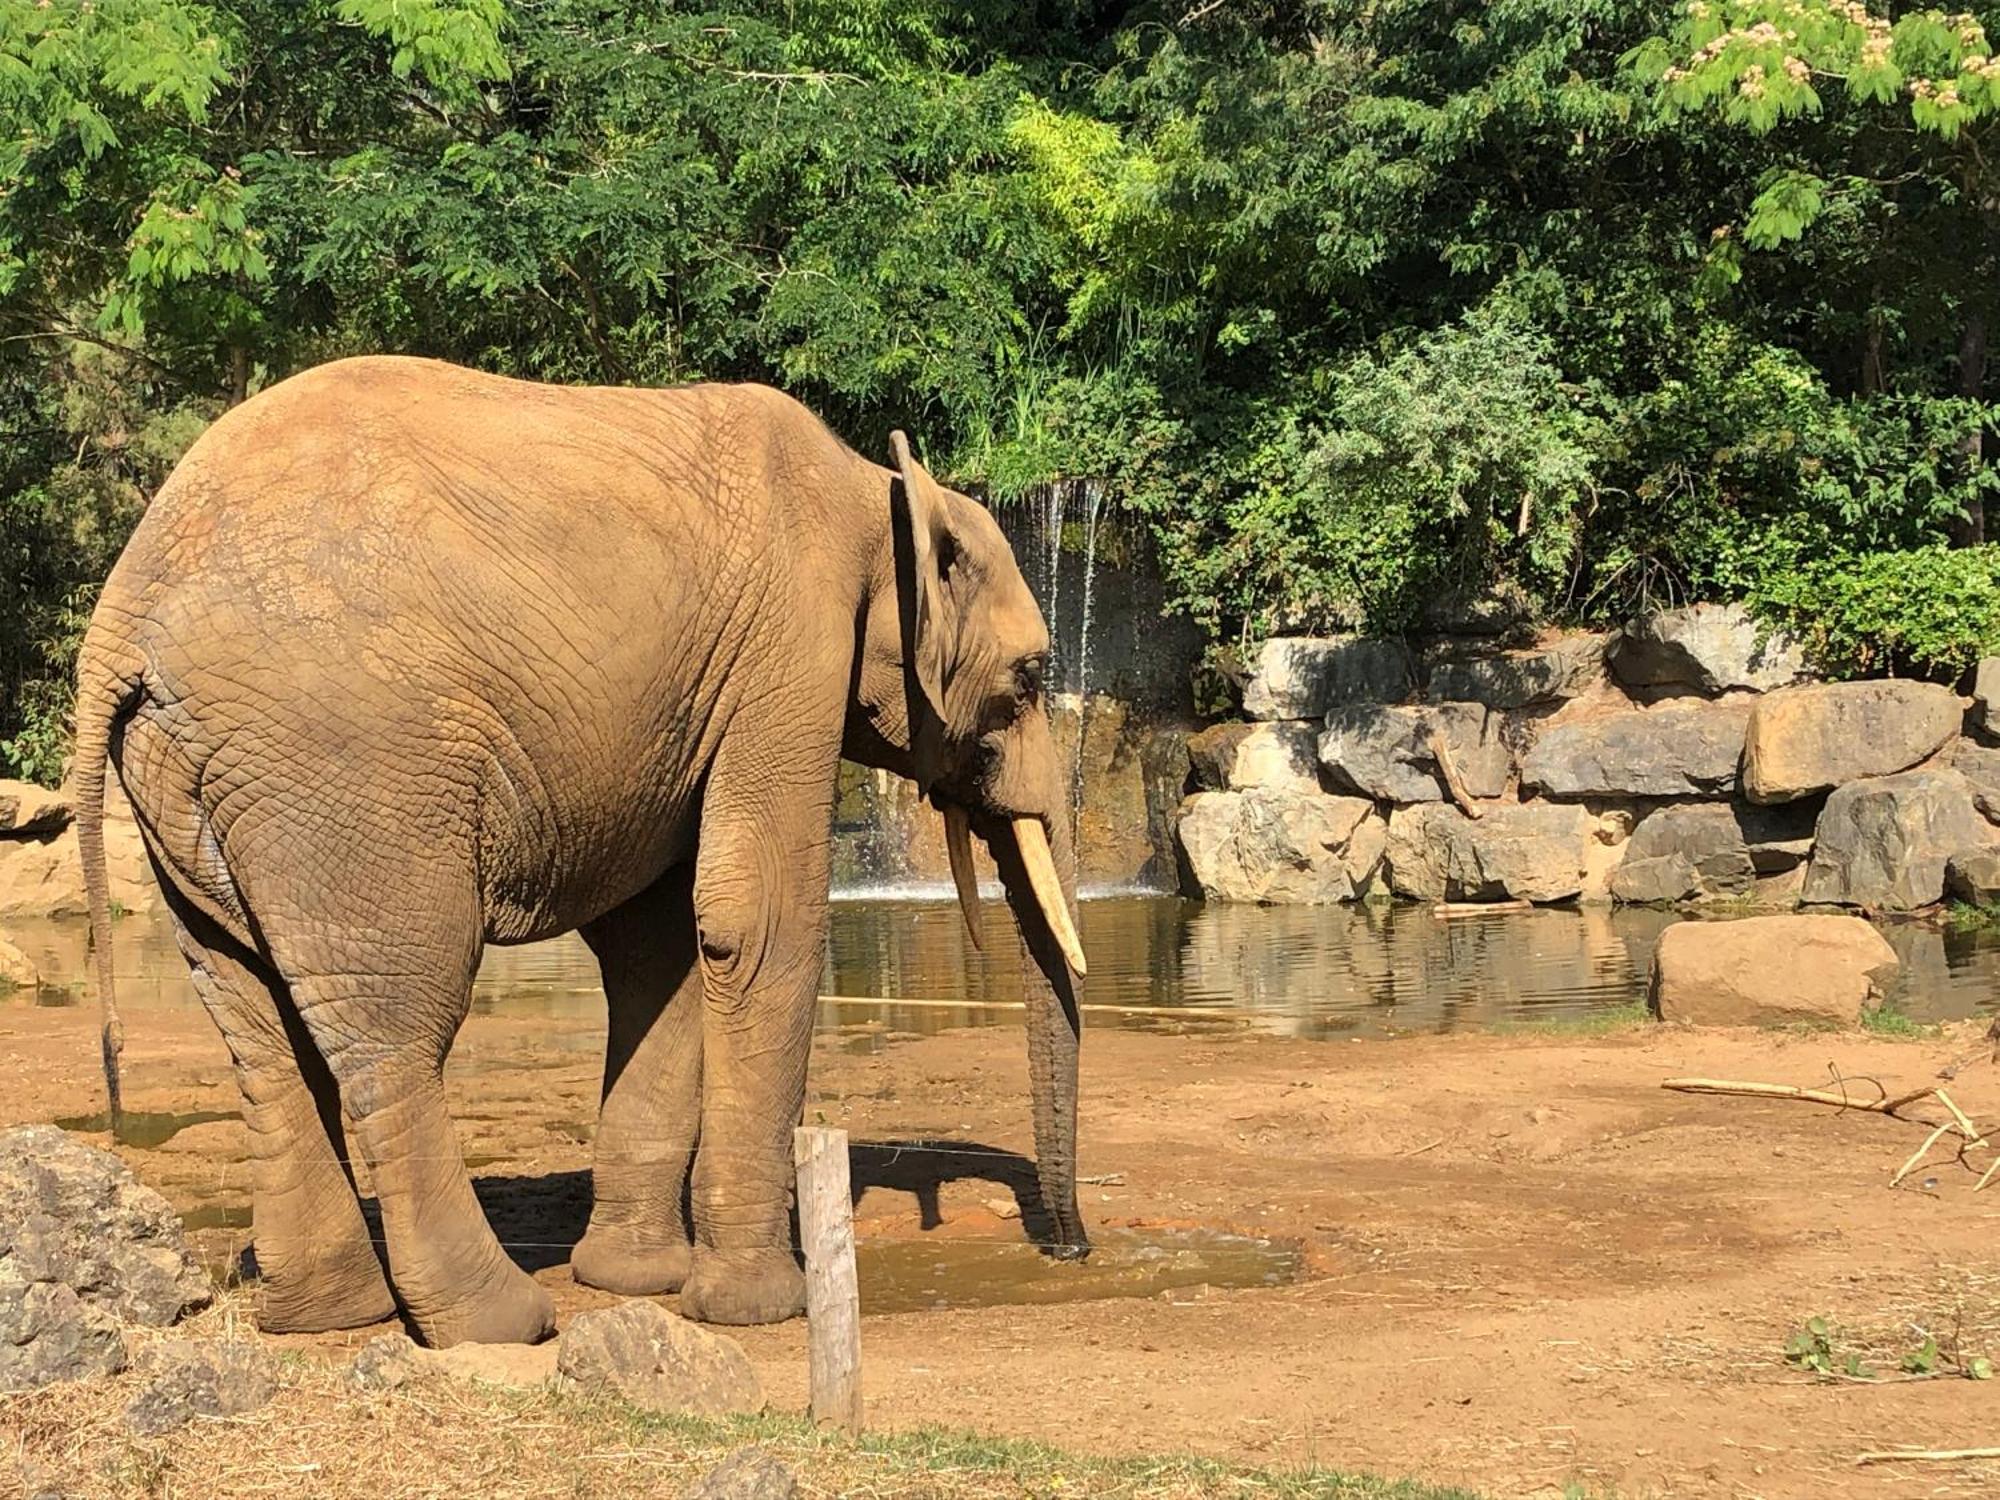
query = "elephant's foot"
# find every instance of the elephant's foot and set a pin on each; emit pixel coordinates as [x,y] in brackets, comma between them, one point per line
[618,1259]
[743,1286]
[335,1287]
[504,1305]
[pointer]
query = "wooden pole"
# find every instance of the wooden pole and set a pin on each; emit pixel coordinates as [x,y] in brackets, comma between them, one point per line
[833,1296]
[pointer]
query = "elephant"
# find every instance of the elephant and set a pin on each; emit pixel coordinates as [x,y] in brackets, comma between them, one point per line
[405,659]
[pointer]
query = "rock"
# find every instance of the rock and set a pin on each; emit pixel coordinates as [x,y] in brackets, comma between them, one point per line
[1516,679]
[1770,970]
[1806,739]
[1986,694]
[1676,750]
[1709,647]
[1281,756]
[193,1379]
[1974,875]
[49,1334]
[1884,842]
[1301,677]
[1003,1208]
[72,1214]
[42,876]
[1534,851]
[1683,853]
[1980,765]
[390,1360]
[658,1361]
[1384,753]
[17,970]
[748,1474]
[1288,847]
[26,808]
[1691,851]
[523,1366]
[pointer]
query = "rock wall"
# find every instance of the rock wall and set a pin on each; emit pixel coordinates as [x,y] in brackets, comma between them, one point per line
[1684,758]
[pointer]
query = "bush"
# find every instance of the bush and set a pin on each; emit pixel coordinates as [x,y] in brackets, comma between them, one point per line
[1931,612]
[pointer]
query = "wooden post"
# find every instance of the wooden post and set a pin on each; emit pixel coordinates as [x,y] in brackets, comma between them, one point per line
[833,1296]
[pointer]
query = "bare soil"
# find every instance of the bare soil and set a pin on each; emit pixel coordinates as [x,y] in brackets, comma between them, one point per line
[1526,1266]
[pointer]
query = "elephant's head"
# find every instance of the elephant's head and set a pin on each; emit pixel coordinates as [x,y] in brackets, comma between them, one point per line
[950,693]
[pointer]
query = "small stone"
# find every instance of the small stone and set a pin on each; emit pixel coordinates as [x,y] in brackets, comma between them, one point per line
[1003,1208]
[748,1474]
[1770,970]
[390,1360]
[49,1334]
[658,1361]
[201,1380]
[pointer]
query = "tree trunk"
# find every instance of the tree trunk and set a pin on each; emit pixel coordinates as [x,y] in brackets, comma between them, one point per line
[1971,529]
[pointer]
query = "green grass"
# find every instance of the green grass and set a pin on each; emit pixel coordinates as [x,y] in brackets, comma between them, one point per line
[1893,1020]
[1602,1022]
[956,1462]
[1972,916]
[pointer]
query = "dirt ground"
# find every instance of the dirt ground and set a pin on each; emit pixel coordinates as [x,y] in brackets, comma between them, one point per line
[1526,1267]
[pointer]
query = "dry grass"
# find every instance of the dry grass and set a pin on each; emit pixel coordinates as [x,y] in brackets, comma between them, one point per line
[324,1437]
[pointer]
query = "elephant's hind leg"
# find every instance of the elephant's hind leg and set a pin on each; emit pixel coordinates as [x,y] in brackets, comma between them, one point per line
[317,1269]
[638,1241]
[383,981]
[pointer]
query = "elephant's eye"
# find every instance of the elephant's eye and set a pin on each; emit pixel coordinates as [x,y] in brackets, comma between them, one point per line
[1028,677]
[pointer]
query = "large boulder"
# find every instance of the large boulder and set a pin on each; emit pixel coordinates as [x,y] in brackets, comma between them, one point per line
[1807,739]
[657,1361]
[1770,970]
[1986,694]
[1301,677]
[1711,648]
[17,970]
[74,1215]
[26,808]
[1675,750]
[748,1474]
[1306,848]
[42,875]
[1885,842]
[1531,851]
[1691,851]
[1384,752]
[1280,756]
[1515,679]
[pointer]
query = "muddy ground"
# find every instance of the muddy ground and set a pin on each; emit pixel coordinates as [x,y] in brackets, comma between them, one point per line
[1523,1266]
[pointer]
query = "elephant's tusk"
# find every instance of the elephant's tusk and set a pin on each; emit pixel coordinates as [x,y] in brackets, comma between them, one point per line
[1033,841]
[958,845]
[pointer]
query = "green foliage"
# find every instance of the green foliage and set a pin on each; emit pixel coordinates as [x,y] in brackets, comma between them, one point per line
[1811,1347]
[1928,612]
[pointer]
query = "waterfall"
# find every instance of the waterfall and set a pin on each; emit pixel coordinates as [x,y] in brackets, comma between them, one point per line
[1093,498]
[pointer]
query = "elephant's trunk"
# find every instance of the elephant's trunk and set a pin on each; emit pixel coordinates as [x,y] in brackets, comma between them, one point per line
[1054,1023]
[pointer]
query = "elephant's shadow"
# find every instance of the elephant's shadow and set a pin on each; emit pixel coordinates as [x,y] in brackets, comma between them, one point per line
[539,1219]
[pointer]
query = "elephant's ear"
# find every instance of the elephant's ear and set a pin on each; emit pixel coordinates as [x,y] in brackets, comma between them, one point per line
[928,629]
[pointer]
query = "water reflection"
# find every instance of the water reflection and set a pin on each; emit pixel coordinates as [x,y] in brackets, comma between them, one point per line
[1154,961]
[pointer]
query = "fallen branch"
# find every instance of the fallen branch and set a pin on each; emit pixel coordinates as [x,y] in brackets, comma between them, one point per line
[1444,911]
[1927,1455]
[1918,1155]
[1441,753]
[1882,1106]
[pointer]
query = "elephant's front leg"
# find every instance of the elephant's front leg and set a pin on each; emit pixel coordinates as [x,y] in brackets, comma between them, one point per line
[760,902]
[638,1239]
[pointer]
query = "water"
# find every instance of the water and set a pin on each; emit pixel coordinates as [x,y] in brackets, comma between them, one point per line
[1375,969]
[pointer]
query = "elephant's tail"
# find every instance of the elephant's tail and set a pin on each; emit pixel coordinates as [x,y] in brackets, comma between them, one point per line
[106,688]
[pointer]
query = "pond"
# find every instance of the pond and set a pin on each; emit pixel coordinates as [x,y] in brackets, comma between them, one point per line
[1374,969]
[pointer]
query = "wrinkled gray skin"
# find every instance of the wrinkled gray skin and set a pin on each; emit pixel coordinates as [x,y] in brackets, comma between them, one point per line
[406,659]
